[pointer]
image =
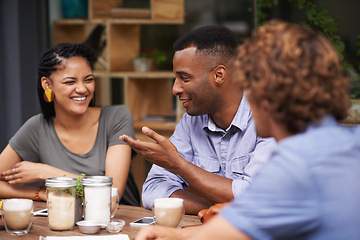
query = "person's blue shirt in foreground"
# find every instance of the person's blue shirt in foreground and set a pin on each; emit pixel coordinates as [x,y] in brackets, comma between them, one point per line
[309,189]
[236,153]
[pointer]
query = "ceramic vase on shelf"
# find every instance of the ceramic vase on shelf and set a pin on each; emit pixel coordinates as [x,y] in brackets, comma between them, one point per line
[142,64]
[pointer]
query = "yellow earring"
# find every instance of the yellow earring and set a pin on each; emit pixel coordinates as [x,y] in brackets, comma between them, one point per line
[48,95]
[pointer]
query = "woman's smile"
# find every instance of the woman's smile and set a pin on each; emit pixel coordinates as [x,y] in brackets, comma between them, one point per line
[79,99]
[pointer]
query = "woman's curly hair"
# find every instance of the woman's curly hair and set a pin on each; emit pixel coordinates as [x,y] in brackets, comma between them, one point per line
[296,71]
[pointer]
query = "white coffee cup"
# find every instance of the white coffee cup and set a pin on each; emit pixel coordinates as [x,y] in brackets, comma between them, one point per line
[168,211]
[114,201]
[17,215]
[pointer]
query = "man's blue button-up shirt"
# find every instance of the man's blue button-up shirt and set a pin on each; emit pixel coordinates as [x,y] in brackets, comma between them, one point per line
[236,153]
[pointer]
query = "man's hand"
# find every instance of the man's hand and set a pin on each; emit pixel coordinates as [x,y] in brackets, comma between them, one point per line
[209,186]
[192,202]
[163,233]
[216,228]
[162,153]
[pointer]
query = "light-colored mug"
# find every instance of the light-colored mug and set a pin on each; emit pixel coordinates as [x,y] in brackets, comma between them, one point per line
[114,201]
[17,215]
[168,211]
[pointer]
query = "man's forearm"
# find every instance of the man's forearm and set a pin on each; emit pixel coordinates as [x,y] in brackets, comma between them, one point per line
[193,203]
[217,228]
[214,188]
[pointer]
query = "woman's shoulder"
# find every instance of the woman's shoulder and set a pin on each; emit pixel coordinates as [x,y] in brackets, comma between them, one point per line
[116,118]
[115,112]
[115,109]
[30,128]
[36,120]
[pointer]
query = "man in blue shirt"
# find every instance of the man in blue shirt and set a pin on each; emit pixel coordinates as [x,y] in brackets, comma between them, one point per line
[309,189]
[214,151]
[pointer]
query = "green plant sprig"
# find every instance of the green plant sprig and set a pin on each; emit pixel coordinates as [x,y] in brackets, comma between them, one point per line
[79,189]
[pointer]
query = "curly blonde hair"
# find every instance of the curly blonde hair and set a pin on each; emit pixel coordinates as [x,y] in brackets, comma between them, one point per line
[296,71]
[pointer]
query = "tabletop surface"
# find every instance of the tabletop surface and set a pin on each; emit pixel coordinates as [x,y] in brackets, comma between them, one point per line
[124,212]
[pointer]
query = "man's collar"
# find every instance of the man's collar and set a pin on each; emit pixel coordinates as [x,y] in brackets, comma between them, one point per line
[241,119]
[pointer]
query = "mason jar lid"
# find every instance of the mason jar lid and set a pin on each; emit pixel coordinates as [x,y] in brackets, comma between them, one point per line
[96,181]
[60,182]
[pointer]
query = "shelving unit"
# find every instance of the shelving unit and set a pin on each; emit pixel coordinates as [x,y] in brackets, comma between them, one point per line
[145,93]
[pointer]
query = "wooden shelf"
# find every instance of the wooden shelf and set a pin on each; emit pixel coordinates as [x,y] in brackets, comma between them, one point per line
[161,12]
[117,21]
[163,126]
[72,21]
[145,93]
[140,75]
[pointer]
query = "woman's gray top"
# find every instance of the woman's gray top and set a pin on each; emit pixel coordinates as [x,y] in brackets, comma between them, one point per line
[37,141]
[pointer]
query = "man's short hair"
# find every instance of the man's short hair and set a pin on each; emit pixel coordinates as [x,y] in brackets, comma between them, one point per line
[296,71]
[212,40]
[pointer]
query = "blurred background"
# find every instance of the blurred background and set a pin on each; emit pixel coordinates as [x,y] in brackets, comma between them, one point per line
[26,31]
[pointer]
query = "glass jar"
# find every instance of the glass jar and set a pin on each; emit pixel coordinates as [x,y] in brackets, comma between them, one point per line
[61,202]
[97,198]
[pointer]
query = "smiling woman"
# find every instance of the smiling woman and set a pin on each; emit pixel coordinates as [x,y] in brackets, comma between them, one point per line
[73,86]
[64,63]
[69,137]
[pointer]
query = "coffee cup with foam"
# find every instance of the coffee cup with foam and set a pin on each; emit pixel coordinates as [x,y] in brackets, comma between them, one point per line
[17,215]
[168,211]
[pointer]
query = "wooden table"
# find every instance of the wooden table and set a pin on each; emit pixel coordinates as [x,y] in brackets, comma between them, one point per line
[126,213]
